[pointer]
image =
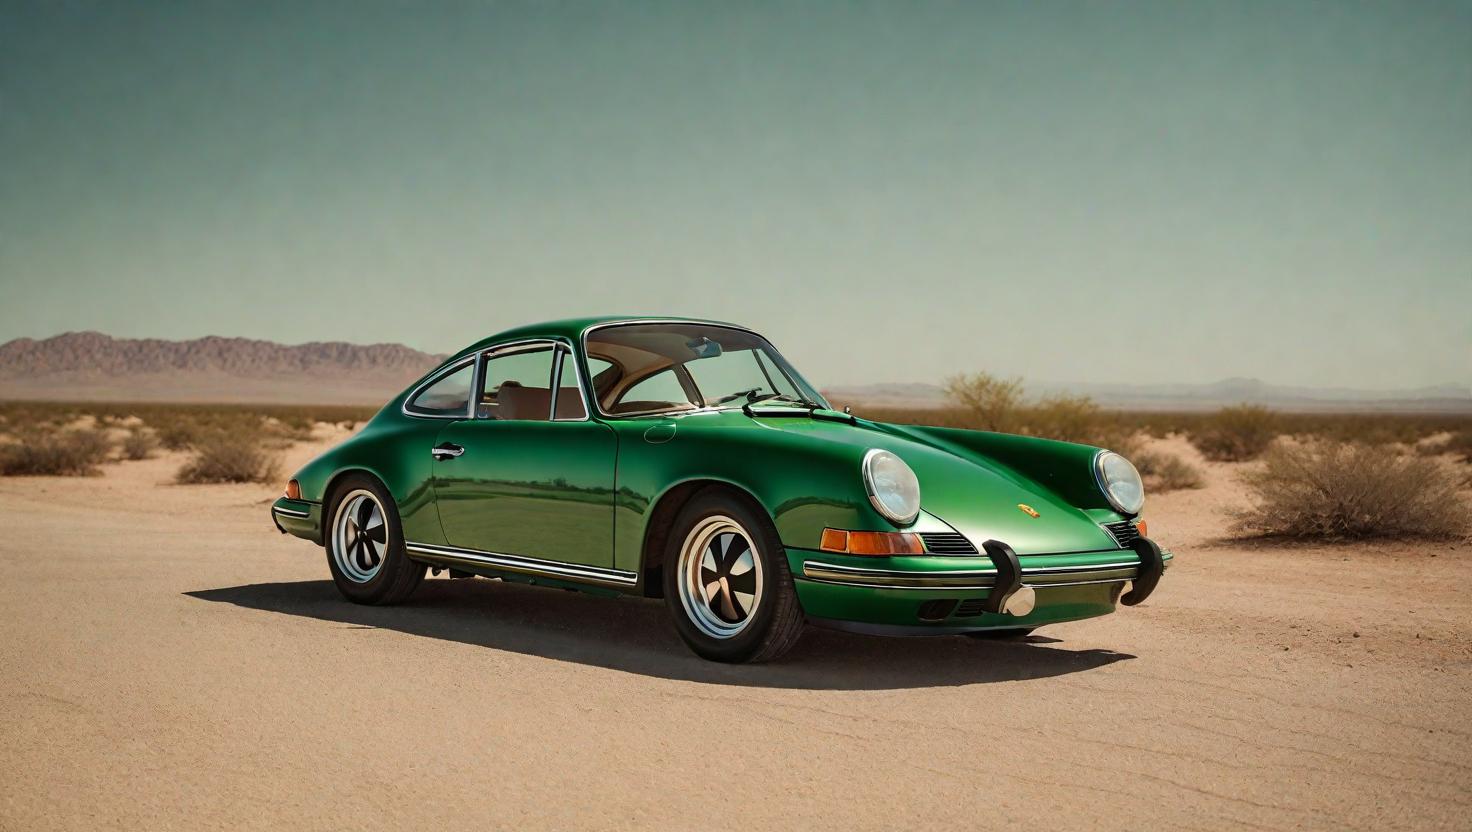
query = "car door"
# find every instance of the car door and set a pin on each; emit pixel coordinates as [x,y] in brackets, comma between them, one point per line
[531,477]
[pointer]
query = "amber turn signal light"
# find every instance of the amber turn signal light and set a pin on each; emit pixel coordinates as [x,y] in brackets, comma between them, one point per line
[871,543]
[1144,529]
[293,490]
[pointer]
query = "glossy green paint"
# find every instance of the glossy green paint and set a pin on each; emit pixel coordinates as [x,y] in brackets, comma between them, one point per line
[585,492]
[540,489]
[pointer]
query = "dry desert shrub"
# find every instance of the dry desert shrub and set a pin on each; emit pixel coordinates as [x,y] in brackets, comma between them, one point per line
[991,403]
[1166,472]
[1350,491]
[1066,417]
[1237,434]
[61,453]
[139,444]
[220,457]
[1460,446]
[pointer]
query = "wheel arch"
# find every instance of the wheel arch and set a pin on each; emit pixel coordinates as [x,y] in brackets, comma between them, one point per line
[661,521]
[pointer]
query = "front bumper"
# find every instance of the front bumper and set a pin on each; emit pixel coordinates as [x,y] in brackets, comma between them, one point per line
[945,594]
[298,517]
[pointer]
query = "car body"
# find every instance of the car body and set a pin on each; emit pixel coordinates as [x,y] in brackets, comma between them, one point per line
[589,482]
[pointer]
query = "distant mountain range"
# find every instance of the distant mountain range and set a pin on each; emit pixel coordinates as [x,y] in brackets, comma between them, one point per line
[92,366]
[1443,398]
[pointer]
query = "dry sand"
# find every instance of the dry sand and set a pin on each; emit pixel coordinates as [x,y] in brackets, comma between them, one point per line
[170,661]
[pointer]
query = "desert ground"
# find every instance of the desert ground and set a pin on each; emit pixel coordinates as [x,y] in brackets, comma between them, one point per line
[171,661]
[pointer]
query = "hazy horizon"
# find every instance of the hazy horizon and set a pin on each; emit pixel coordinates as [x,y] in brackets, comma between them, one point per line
[1131,193]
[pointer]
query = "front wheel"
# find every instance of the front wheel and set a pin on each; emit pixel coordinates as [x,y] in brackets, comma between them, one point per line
[365,544]
[726,581]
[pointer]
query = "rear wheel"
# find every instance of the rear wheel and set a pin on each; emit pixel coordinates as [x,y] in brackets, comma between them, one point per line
[726,581]
[365,544]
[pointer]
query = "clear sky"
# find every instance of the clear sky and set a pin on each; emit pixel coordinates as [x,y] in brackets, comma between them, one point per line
[891,191]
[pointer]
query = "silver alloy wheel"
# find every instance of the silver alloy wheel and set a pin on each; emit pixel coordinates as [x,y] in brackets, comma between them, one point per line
[359,536]
[720,577]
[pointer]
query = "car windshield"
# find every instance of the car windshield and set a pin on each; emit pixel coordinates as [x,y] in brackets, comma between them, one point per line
[640,369]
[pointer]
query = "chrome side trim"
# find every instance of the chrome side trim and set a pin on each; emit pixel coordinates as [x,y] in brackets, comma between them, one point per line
[966,579]
[523,565]
[289,512]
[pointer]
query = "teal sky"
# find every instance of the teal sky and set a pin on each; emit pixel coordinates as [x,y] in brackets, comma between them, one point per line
[890,191]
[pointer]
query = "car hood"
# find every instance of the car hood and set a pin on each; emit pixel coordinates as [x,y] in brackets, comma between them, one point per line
[973,493]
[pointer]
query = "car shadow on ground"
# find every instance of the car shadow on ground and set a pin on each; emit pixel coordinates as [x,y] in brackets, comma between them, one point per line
[636,636]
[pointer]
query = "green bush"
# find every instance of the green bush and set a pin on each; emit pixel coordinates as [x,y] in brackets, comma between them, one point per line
[1237,434]
[1350,491]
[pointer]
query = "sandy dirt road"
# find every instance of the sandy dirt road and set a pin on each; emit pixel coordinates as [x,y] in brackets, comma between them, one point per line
[170,661]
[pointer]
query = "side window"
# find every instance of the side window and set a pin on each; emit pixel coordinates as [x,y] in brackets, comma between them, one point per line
[450,396]
[569,397]
[658,392]
[518,386]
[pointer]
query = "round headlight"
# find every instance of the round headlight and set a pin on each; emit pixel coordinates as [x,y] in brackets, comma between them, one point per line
[893,488]
[1120,482]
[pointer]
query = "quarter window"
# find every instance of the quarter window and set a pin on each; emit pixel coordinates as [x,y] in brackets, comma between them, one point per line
[449,396]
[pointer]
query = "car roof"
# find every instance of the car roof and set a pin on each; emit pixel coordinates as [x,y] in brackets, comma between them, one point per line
[572,328]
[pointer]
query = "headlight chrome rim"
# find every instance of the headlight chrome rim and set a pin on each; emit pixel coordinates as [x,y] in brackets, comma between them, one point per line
[1100,477]
[876,501]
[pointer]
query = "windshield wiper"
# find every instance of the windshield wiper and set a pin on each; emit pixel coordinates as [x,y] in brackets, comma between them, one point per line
[783,397]
[749,394]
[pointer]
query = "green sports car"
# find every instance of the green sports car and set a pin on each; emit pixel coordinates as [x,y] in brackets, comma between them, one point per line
[688,460]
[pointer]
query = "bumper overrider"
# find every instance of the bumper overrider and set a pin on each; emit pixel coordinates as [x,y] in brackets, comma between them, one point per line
[949,594]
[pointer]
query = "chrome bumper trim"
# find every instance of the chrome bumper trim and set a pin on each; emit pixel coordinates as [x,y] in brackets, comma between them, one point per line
[968,579]
[289,512]
[522,565]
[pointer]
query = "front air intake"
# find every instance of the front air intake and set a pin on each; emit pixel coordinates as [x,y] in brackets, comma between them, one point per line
[947,543]
[1125,533]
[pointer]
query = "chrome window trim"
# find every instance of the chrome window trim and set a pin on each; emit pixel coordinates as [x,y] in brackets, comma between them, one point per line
[447,370]
[524,565]
[556,345]
[583,343]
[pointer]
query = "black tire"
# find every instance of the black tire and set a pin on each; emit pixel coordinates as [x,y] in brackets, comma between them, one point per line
[373,572]
[1002,635]
[774,624]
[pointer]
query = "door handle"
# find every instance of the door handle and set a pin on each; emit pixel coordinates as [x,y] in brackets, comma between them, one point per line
[446,450]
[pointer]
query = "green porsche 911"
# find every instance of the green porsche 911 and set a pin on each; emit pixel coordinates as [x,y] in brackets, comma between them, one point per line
[688,460]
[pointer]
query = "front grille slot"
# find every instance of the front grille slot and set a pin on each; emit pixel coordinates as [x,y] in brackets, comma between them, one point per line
[937,609]
[947,543]
[1125,532]
[970,608]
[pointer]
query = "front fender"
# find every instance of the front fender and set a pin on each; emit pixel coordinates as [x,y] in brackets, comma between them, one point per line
[804,486]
